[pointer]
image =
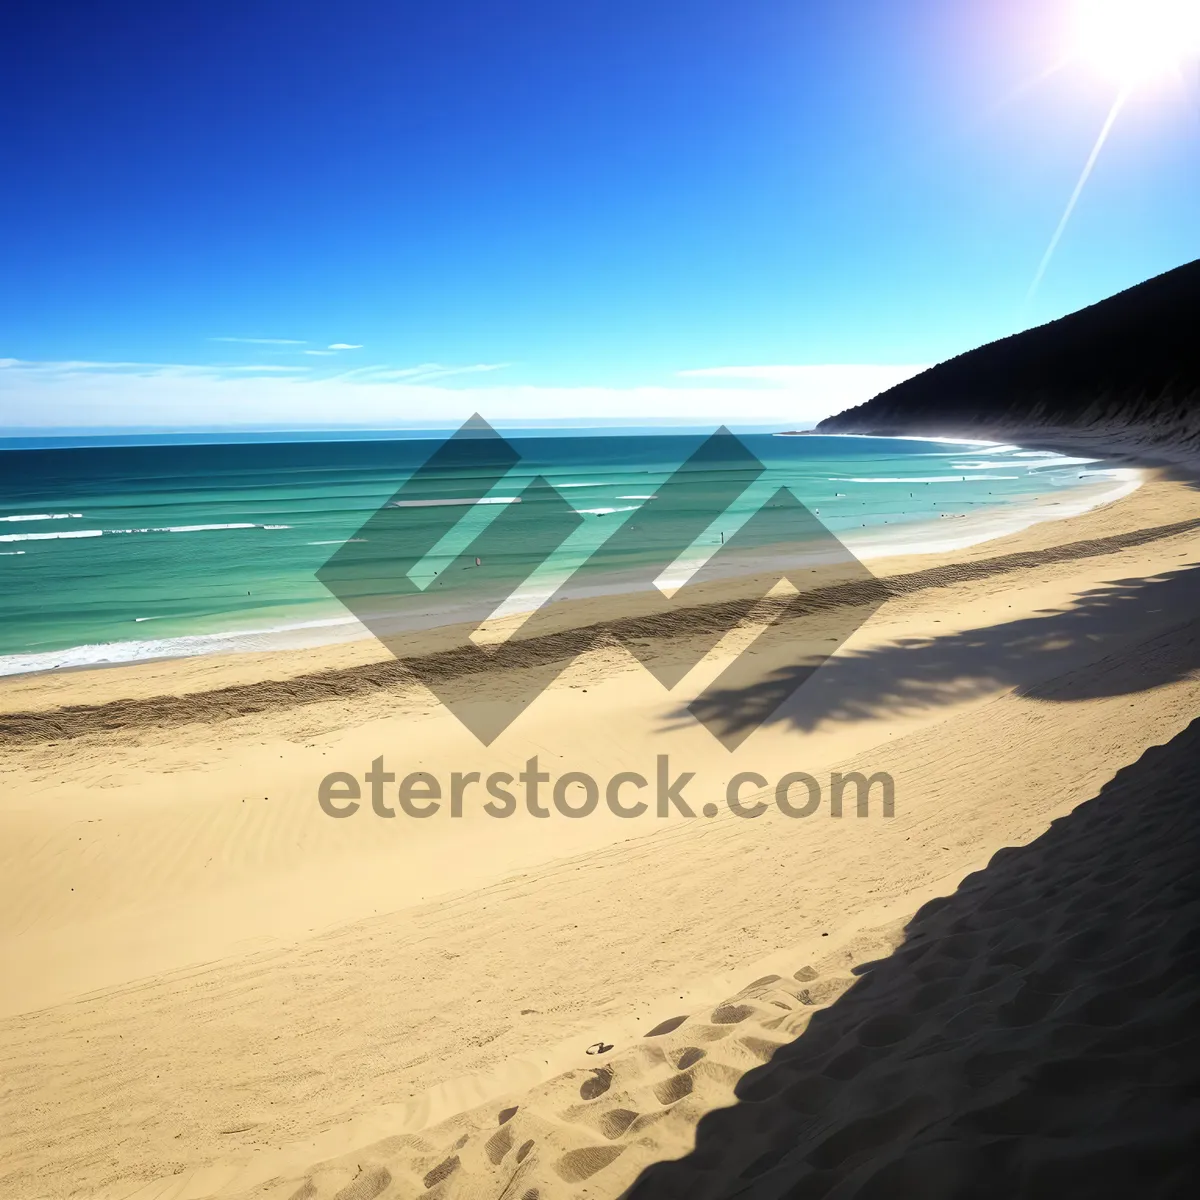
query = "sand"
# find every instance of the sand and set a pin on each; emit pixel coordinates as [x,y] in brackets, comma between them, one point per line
[208,987]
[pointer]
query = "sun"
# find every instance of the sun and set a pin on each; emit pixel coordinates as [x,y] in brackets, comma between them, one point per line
[1138,40]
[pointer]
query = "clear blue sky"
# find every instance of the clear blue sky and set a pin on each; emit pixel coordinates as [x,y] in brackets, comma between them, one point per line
[594,192]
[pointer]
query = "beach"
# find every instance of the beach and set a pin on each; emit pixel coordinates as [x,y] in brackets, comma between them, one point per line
[211,987]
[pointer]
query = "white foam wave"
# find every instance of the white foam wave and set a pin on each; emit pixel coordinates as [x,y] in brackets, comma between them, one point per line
[979,466]
[50,537]
[201,528]
[189,646]
[993,447]
[87,533]
[984,448]
[460,502]
[917,479]
[603,512]
[10,553]
[1060,460]
[637,497]
[43,517]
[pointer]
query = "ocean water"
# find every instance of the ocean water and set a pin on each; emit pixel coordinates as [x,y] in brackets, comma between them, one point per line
[113,552]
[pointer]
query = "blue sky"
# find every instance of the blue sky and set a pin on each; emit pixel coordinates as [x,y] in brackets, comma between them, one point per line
[534,206]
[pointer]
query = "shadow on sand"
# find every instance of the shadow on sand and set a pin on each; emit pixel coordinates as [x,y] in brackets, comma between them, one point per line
[920,674]
[1036,1034]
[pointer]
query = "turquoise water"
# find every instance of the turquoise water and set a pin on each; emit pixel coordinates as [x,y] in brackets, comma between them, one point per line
[111,552]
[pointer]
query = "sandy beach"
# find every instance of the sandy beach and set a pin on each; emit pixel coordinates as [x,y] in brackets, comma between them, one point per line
[210,988]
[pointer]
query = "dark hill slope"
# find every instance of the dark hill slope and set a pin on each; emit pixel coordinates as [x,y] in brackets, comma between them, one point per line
[1125,370]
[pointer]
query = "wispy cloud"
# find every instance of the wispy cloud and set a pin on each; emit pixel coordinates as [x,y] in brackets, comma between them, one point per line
[321,353]
[261,341]
[814,390]
[288,370]
[70,368]
[25,364]
[345,346]
[82,394]
[425,373]
[787,375]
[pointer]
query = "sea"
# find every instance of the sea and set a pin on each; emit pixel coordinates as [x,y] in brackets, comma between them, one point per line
[115,549]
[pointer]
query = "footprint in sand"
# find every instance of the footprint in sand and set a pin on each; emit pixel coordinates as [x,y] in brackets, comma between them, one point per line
[577,1165]
[731,1014]
[665,1027]
[442,1171]
[498,1145]
[367,1185]
[673,1089]
[616,1123]
[764,981]
[600,1082]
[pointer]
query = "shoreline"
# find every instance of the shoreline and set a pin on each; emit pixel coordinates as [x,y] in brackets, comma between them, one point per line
[920,537]
[1114,441]
[195,687]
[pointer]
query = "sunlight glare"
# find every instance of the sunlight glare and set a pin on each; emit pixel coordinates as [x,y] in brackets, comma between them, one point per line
[1137,40]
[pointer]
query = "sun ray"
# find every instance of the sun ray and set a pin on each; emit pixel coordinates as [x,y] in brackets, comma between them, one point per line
[1109,121]
[1027,85]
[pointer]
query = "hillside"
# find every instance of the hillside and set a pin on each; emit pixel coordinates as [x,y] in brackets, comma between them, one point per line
[1125,370]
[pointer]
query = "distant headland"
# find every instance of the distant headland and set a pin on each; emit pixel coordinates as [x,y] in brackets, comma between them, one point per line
[1121,374]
